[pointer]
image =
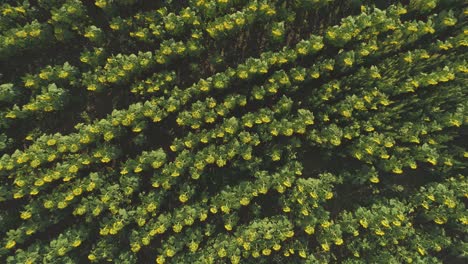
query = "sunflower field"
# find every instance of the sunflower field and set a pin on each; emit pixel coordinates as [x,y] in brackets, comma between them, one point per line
[233,131]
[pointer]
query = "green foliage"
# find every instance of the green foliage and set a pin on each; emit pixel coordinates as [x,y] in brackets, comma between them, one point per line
[233,131]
